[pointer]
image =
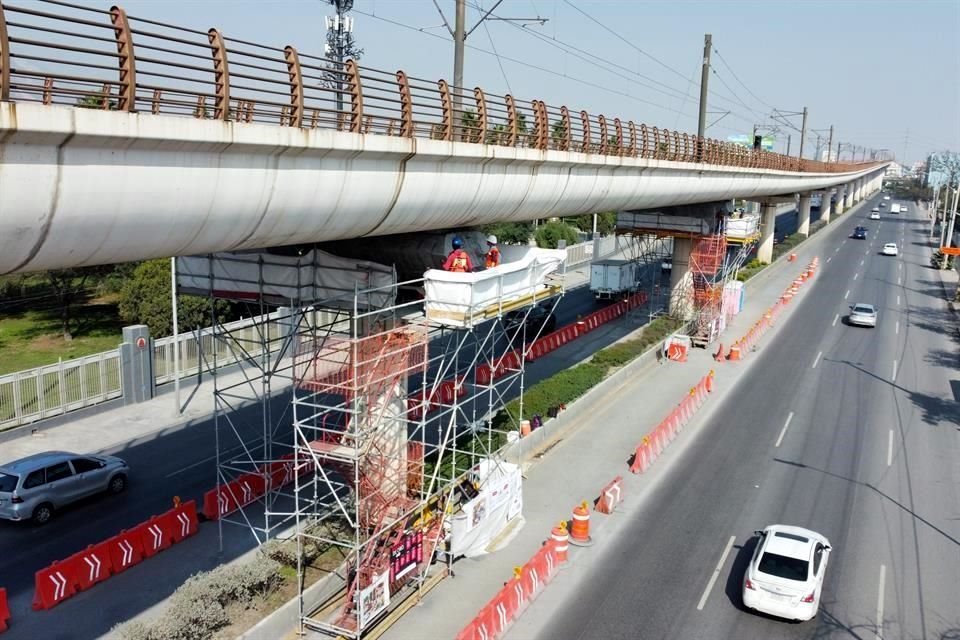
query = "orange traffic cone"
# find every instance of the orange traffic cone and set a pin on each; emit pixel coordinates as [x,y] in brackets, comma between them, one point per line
[580,531]
[560,538]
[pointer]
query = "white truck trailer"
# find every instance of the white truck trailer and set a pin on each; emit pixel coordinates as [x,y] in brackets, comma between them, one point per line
[610,279]
[895,208]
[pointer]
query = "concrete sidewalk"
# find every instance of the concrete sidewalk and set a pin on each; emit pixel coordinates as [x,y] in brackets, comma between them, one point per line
[588,457]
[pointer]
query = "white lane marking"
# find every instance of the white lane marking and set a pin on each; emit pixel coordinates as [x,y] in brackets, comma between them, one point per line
[898,301]
[783,431]
[855,276]
[830,258]
[898,280]
[716,572]
[204,461]
[890,449]
[897,328]
[899,265]
[816,360]
[835,318]
[893,377]
[861,263]
[838,250]
[844,242]
[847,294]
[867,252]
[883,578]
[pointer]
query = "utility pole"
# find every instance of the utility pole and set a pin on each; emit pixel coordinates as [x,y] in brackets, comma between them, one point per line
[704,80]
[789,137]
[830,144]
[459,33]
[459,38]
[803,133]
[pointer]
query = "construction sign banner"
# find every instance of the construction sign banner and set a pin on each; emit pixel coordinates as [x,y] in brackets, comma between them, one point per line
[374,599]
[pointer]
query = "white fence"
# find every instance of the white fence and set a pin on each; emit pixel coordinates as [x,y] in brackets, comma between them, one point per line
[582,252]
[34,394]
[199,349]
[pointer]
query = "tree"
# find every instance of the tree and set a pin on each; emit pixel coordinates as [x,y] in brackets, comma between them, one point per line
[96,101]
[606,222]
[548,235]
[510,232]
[145,299]
[558,132]
[69,288]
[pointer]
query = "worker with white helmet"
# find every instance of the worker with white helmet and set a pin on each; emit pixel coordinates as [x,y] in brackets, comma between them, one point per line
[493,253]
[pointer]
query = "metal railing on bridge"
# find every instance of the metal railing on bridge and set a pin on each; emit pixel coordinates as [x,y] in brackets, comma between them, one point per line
[105,59]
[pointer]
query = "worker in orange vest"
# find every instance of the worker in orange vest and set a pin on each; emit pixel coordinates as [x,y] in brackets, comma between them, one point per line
[493,254]
[458,261]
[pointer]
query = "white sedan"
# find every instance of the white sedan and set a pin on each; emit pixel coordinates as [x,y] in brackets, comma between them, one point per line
[785,575]
[874,215]
[886,197]
[862,314]
[889,249]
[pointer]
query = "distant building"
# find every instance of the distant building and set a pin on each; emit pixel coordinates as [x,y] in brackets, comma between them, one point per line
[894,170]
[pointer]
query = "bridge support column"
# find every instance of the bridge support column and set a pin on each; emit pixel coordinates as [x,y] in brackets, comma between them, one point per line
[859,191]
[803,224]
[826,206]
[841,195]
[768,220]
[681,280]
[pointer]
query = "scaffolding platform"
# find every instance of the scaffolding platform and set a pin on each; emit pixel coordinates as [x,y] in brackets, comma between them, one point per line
[464,299]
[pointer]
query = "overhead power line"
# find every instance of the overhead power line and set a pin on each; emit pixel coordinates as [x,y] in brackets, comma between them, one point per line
[737,78]
[535,67]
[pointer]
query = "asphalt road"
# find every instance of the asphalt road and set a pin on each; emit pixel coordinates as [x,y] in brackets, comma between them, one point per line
[851,432]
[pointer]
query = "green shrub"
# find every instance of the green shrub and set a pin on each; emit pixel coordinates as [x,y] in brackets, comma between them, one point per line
[198,607]
[549,235]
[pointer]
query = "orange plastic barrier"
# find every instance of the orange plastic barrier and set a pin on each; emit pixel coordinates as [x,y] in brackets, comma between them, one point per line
[53,585]
[654,443]
[515,597]
[4,610]
[96,563]
[610,496]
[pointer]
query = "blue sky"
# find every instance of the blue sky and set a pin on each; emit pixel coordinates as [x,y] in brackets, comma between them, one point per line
[885,73]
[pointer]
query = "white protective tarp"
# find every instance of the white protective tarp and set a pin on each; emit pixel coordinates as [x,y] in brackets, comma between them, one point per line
[743,227]
[459,299]
[481,520]
[312,277]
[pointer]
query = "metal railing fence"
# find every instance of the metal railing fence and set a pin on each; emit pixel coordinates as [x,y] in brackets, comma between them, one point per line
[105,59]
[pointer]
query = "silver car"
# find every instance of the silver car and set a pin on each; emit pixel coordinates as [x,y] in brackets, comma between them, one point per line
[32,488]
[864,315]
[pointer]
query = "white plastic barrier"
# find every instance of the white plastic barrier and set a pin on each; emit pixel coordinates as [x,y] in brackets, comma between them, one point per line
[463,299]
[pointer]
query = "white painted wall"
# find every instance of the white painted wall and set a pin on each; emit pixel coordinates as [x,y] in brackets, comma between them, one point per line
[82,187]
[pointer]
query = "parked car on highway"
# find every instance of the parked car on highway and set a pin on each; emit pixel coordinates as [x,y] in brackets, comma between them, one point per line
[890,249]
[886,197]
[860,233]
[33,488]
[875,214]
[785,574]
[883,204]
[540,321]
[862,314]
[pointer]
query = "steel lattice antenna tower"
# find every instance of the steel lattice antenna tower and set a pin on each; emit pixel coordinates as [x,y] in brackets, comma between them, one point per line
[340,45]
